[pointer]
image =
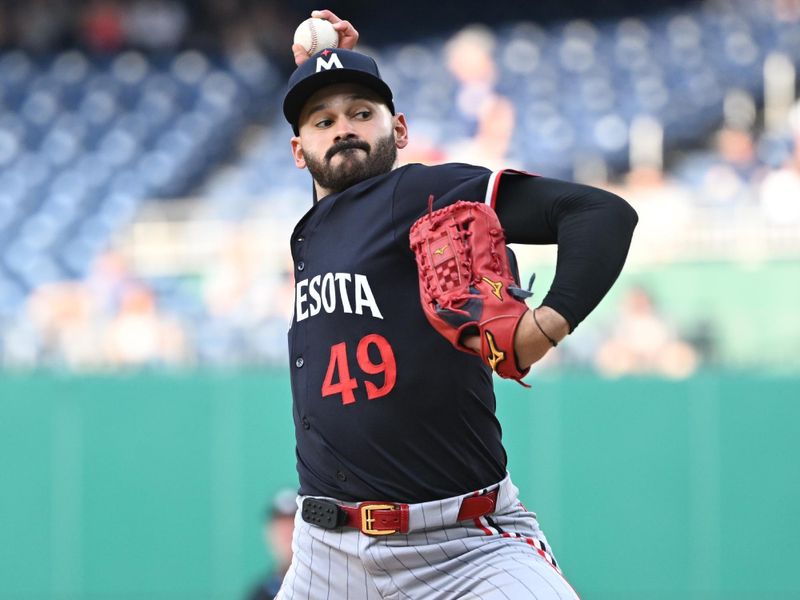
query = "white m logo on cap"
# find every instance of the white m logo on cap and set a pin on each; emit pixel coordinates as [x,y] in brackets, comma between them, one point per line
[328,64]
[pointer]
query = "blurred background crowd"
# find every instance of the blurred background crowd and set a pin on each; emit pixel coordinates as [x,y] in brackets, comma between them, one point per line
[112,25]
[107,26]
[147,191]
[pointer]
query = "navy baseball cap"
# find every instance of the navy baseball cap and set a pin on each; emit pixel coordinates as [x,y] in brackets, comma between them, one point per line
[330,66]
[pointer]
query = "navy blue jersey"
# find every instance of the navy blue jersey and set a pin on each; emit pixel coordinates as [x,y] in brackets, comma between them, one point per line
[384,407]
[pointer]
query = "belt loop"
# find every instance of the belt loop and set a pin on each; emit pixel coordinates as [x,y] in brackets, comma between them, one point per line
[473,507]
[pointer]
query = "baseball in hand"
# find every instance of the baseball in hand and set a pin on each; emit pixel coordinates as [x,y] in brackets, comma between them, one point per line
[315,34]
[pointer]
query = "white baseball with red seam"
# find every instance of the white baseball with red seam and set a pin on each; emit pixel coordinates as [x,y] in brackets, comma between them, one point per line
[315,34]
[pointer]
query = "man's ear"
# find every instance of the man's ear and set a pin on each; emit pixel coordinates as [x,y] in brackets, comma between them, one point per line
[400,130]
[297,153]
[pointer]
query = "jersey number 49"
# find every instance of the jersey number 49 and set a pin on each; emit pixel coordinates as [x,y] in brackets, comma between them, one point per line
[339,367]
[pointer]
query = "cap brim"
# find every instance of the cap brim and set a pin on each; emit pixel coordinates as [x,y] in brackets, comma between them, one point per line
[298,96]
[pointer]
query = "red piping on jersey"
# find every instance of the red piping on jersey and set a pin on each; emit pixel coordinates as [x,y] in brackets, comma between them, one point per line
[532,543]
[556,569]
[493,201]
[496,186]
[479,525]
[477,520]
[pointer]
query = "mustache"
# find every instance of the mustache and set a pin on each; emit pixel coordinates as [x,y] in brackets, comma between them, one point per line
[347,145]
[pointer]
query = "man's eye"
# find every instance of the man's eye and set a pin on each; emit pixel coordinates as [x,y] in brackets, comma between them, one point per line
[324,123]
[363,114]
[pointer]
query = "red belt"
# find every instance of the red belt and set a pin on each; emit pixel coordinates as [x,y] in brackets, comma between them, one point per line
[384,518]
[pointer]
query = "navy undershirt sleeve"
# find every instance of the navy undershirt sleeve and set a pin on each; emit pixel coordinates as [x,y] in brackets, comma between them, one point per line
[592,227]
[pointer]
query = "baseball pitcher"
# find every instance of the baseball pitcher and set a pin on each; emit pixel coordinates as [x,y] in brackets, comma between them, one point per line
[407,302]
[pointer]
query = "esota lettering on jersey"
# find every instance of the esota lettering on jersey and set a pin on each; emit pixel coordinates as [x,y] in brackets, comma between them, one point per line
[331,292]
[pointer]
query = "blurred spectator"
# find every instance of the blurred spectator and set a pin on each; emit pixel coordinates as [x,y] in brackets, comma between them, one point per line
[156,24]
[737,150]
[42,24]
[787,11]
[469,57]
[643,343]
[249,301]
[63,324]
[665,208]
[230,278]
[730,178]
[66,334]
[239,284]
[268,26]
[102,26]
[421,149]
[6,29]
[140,336]
[278,529]
[106,281]
[780,191]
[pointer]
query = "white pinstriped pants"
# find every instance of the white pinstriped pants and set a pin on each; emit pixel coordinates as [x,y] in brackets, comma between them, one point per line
[502,556]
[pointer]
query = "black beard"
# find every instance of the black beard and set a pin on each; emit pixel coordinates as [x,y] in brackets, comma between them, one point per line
[379,160]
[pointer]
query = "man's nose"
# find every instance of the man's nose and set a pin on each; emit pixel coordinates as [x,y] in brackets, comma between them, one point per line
[344,131]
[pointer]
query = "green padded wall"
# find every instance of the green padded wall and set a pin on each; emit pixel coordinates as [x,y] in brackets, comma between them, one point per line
[750,308]
[153,486]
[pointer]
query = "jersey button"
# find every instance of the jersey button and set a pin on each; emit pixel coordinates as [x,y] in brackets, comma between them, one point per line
[299,362]
[341,476]
[301,265]
[306,424]
[300,239]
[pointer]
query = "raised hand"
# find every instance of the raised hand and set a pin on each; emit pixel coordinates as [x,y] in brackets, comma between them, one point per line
[348,36]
